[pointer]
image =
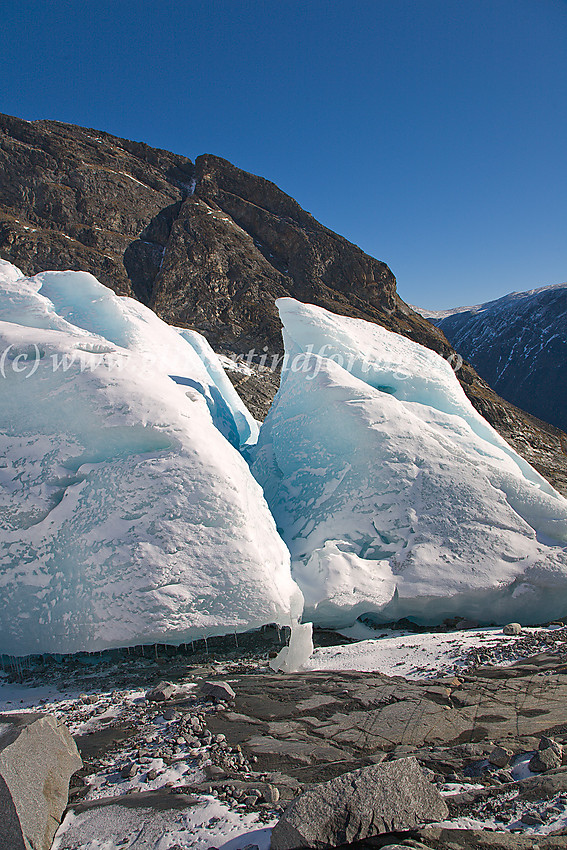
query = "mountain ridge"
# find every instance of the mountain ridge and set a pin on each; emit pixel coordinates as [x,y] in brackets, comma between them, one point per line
[518,343]
[210,247]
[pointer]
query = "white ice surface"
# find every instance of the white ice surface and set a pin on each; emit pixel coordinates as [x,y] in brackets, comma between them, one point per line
[393,494]
[298,651]
[76,301]
[126,516]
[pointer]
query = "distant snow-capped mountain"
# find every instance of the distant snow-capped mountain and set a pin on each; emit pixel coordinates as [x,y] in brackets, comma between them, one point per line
[518,344]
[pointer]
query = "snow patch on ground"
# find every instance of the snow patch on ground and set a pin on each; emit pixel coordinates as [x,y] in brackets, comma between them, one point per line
[205,824]
[413,656]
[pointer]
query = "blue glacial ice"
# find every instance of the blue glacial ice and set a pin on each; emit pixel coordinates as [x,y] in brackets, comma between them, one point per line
[393,494]
[127,513]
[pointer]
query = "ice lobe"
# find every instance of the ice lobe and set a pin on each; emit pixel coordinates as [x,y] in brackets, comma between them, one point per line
[247,426]
[76,301]
[392,493]
[126,516]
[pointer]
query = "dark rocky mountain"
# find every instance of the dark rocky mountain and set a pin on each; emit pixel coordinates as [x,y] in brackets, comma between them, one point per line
[209,246]
[519,346]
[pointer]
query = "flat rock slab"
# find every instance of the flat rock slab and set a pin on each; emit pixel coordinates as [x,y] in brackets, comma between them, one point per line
[144,825]
[218,690]
[544,786]
[367,802]
[304,721]
[37,759]
[303,752]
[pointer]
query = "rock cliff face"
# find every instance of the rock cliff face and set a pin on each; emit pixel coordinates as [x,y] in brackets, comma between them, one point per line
[519,345]
[209,246]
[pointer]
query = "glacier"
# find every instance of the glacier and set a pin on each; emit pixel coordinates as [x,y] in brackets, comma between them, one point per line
[129,515]
[393,494]
[127,512]
[76,301]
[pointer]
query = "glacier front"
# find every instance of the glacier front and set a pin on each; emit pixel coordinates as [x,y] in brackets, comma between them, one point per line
[393,494]
[127,513]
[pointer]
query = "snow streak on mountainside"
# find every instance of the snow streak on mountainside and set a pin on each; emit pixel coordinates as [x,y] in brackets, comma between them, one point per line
[393,493]
[127,514]
[519,345]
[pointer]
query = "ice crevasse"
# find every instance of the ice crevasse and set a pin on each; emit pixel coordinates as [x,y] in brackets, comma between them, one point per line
[392,493]
[127,513]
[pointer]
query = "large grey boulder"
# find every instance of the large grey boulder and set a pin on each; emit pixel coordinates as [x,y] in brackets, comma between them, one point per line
[218,691]
[500,757]
[37,758]
[388,797]
[543,760]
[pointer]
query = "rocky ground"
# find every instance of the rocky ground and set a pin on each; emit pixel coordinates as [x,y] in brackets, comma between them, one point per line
[168,764]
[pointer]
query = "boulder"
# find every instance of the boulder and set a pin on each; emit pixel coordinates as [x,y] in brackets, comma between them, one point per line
[500,757]
[389,797]
[161,692]
[218,690]
[543,760]
[512,629]
[546,743]
[37,758]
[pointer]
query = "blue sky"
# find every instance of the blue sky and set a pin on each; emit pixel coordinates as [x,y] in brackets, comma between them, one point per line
[432,133]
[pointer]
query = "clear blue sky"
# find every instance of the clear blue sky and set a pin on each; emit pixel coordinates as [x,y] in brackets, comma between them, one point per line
[432,133]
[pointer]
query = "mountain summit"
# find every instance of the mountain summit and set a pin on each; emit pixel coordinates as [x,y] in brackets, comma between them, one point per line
[210,247]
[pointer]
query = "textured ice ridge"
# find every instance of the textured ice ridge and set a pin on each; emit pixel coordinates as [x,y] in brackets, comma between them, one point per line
[393,494]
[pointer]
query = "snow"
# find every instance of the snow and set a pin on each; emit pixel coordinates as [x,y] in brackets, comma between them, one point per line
[552,810]
[235,364]
[76,301]
[393,494]
[439,314]
[205,824]
[413,656]
[104,698]
[136,822]
[127,515]
[129,176]
[8,272]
